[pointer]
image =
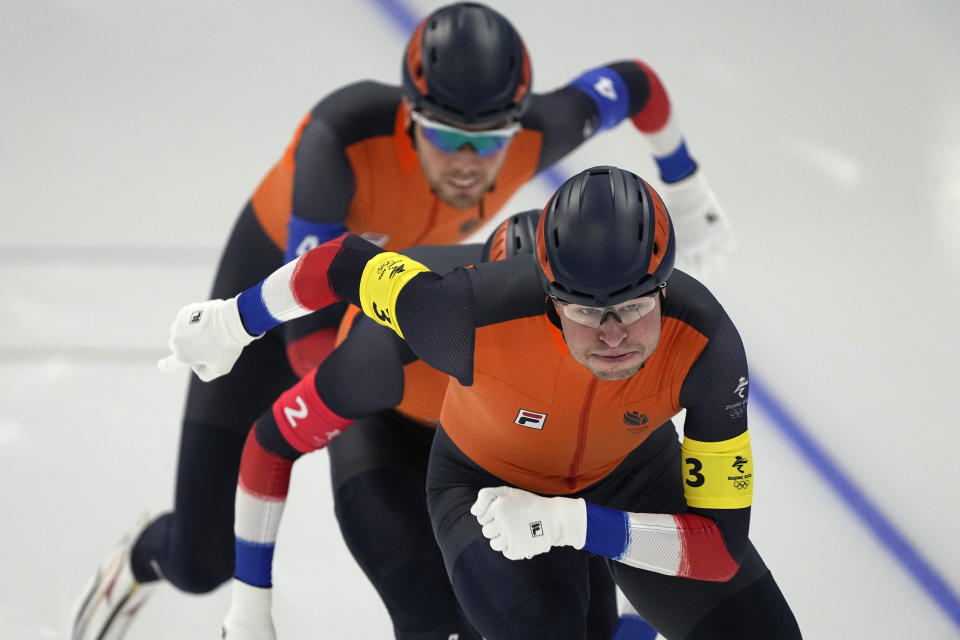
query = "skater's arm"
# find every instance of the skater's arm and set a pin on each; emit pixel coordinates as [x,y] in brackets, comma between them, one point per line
[394,290]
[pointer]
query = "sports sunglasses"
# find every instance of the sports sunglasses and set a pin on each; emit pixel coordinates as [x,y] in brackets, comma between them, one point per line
[449,139]
[625,313]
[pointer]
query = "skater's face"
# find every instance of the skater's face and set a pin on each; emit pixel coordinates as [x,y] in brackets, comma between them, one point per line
[460,163]
[614,344]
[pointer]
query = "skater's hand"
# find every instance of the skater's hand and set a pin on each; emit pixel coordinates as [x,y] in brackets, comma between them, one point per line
[249,616]
[207,337]
[522,524]
[704,234]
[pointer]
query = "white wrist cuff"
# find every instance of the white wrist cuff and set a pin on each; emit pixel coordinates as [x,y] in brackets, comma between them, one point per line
[574,518]
[233,325]
[247,597]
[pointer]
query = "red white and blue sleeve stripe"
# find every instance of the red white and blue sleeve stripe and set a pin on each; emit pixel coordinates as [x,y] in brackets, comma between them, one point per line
[307,424]
[261,496]
[294,290]
[655,120]
[687,545]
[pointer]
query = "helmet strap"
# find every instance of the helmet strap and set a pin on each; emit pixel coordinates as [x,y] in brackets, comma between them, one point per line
[551,310]
[408,107]
[413,138]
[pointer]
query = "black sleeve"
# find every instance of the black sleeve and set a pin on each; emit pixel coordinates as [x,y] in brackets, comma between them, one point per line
[323,182]
[439,258]
[438,314]
[716,412]
[364,374]
[638,85]
[568,116]
[711,392]
[564,118]
[442,258]
[507,289]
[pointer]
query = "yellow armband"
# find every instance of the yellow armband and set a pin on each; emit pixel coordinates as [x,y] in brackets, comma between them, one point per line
[383,278]
[718,475]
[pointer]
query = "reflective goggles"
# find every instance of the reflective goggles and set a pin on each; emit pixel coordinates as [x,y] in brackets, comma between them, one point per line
[625,313]
[449,139]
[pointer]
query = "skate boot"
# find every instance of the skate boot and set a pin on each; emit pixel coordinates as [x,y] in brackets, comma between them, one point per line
[113,596]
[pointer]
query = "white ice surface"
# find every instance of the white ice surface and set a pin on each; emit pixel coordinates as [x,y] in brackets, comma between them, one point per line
[131,134]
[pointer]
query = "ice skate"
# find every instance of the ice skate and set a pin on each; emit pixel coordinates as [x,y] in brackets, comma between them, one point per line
[112,597]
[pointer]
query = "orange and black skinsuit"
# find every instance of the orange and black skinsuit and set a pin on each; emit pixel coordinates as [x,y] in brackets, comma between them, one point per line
[523,412]
[383,405]
[351,165]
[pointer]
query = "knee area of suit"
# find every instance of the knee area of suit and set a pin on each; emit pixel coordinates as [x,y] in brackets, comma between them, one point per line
[389,496]
[513,605]
[419,598]
[544,616]
[200,569]
[757,612]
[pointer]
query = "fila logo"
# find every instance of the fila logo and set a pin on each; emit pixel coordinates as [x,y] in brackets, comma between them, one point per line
[195,316]
[530,419]
[604,87]
[635,418]
[741,386]
[536,529]
[291,414]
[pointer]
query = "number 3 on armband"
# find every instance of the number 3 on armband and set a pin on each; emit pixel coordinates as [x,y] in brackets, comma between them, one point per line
[696,478]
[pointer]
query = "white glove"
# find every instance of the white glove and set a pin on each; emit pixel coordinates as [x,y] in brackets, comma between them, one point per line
[704,234]
[522,524]
[207,337]
[249,616]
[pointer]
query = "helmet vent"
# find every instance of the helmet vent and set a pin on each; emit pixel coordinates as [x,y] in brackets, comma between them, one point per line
[556,239]
[656,248]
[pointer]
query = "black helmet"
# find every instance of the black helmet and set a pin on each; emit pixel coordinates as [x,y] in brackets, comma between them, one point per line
[514,236]
[604,237]
[467,64]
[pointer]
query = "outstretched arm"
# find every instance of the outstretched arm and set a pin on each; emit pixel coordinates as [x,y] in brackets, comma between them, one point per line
[434,313]
[602,98]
